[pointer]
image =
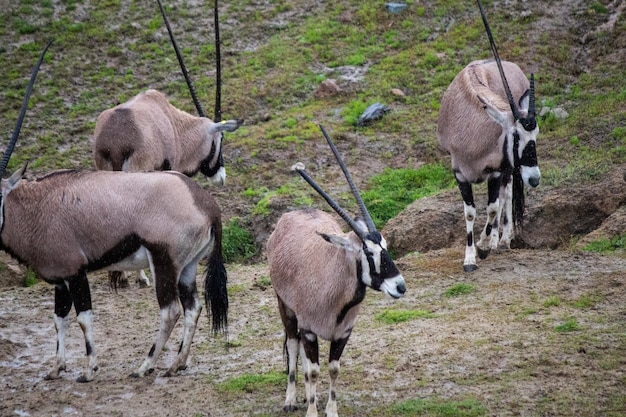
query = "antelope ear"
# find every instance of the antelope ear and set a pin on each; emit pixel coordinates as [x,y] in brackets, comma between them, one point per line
[226,126]
[500,117]
[15,178]
[524,101]
[339,241]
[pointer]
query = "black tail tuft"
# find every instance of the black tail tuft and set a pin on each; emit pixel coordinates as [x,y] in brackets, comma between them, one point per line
[215,292]
[518,200]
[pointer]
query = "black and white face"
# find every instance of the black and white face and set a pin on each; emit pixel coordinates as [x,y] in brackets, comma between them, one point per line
[213,165]
[526,156]
[525,144]
[379,271]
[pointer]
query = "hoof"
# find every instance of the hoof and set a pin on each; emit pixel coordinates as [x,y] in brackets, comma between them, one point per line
[483,253]
[83,379]
[289,408]
[470,268]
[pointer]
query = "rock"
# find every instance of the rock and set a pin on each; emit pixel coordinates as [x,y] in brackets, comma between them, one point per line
[328,88]
[395,8]
[373,112]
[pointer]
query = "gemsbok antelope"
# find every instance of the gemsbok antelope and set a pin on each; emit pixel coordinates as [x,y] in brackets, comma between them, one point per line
[320,275]
[71,222]
[147,133]
[487,122]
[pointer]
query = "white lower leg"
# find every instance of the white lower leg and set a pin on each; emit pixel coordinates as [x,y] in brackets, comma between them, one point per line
[470,248]
[292,355]
[61,324]
[85,320]
[331,405]
[169,316]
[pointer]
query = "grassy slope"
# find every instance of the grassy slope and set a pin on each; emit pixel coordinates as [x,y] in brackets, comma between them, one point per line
[276,53]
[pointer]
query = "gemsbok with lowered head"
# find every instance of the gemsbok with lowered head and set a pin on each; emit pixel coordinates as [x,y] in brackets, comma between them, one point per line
[72,222]
[148,133]
[487,122]
[320,275]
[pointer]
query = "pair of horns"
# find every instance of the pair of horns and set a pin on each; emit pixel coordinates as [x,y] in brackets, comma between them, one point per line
[192,90]
[530,121]
[299,167]
[18,126]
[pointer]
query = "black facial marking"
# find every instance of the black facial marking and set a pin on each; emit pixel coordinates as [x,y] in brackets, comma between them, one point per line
[205,164]
[529,155]
[506,162]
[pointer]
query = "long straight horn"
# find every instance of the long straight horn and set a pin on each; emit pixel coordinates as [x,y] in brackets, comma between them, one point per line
[218,67]
[299,168]
[531,100]
[18,126]
[509,96]
[355,191]
[183,68]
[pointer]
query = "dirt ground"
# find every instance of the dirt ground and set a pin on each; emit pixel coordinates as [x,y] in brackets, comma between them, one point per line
[497,345]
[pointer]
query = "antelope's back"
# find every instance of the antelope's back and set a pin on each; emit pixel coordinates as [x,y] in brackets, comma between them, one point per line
[140,128]
[309,274]
[69,219]
[464,128]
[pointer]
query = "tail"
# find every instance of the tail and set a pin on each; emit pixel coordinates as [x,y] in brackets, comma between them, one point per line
[215,291]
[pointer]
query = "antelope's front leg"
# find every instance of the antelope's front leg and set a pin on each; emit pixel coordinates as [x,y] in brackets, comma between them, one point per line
[62,307]
[292,345]
[506,195]
[490,232]
[81,296]
[336,349]
[311,363]
[469,211]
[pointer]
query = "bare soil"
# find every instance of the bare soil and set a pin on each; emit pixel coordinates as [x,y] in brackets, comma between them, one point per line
[497,345]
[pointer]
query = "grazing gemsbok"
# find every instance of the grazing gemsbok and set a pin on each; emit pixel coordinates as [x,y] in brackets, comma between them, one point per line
[147,133]
[490,137]
[71,222]
[320,275]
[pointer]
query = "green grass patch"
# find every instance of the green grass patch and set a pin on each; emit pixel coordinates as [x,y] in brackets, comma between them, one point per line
[607,245]
[394,189]
[552,301]
[30,278]
[252,382]
[237,242]
[459,289]
[439,408]
[569,325]
[400,316]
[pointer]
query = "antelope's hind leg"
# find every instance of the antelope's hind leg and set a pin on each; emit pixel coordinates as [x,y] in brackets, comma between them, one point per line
[165,276]
[311,365]
[188,294]
[292,346]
